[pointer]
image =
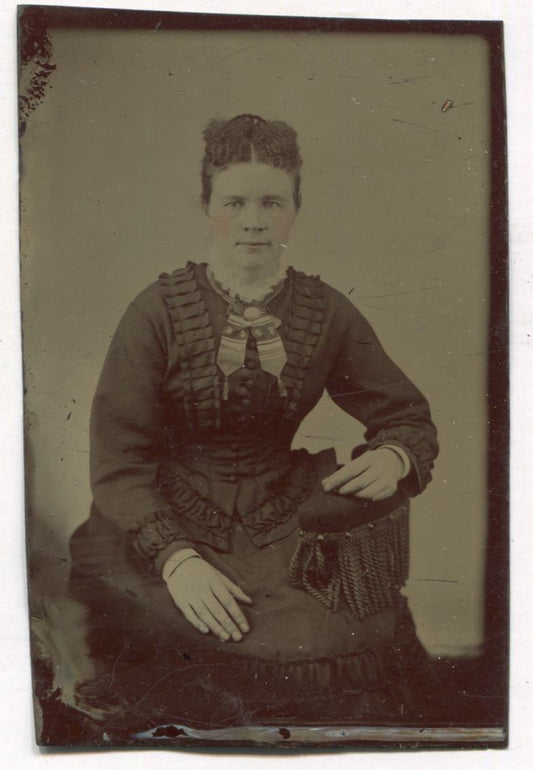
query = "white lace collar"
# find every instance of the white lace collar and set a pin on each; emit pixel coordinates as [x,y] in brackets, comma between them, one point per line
[229,279]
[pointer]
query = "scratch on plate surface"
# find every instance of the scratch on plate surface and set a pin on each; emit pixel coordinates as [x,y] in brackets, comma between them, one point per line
[416,125]
[407,80]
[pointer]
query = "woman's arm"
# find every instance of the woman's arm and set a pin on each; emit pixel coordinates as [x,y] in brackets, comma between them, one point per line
[368,385]
[126,450]
[126,434]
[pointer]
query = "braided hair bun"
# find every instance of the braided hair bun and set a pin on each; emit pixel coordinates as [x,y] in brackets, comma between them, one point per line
[249,139]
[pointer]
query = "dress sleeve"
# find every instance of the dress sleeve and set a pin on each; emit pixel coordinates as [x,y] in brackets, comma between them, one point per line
[368,385]
[126,439]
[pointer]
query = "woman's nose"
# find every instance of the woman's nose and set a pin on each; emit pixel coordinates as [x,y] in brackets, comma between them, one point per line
[253,218]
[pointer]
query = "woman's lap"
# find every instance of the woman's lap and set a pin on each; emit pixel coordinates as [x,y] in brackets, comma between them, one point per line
[295,652]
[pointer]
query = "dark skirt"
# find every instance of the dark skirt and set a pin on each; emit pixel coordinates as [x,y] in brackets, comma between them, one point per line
[301,662]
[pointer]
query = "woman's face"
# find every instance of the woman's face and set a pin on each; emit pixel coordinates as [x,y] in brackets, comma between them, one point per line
[251,211]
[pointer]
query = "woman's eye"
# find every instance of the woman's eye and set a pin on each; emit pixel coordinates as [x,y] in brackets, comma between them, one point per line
[233,204]
[272,204]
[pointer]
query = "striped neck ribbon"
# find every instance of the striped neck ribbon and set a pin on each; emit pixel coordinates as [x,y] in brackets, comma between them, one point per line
[255,320]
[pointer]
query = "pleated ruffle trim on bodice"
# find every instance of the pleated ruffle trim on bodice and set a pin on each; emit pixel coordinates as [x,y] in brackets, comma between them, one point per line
[196,347]
[302,333]
[195,341]
[269,520]
[190,515]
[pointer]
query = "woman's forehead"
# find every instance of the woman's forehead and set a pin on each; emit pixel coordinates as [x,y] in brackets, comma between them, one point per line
[241,179]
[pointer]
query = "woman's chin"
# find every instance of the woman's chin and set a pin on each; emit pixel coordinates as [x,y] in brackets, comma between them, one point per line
[251,261]
[253,257]
[253,266]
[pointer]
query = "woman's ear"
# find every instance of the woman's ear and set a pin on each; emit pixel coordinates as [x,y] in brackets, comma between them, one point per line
[207,219]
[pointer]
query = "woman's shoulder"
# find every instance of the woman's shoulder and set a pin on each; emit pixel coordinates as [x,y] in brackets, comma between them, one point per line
[342,316]
[335,300]
[149,300]
[152,299]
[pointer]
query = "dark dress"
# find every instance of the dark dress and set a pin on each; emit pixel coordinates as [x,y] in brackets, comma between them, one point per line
[175,464]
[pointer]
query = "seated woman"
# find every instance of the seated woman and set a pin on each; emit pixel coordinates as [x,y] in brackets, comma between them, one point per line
[228,579]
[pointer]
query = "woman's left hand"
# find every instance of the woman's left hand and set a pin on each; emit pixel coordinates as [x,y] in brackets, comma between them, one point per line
[372,476]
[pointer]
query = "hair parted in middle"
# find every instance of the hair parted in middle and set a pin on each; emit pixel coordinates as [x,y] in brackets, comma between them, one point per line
[246,139]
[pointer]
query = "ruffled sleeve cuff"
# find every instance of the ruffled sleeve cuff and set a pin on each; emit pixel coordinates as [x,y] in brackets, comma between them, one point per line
[418,447]
[155,539]
[173,548]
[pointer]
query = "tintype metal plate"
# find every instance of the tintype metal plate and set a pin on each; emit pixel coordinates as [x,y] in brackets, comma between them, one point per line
[401,128]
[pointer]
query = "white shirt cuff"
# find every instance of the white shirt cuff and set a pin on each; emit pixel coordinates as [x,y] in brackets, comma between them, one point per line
[404,457]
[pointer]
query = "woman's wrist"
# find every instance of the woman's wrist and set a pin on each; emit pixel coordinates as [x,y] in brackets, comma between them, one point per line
[176,560]
[402,455]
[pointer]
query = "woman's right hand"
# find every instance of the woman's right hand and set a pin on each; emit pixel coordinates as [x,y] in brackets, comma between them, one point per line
[206,598]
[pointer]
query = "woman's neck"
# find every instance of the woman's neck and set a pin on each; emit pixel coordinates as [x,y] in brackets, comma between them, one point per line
[249,285]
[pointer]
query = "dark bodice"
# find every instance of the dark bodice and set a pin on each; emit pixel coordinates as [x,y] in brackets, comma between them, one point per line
[194,389]
[172,458]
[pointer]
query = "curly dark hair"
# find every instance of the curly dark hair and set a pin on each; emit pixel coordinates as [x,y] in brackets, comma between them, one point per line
[248,138]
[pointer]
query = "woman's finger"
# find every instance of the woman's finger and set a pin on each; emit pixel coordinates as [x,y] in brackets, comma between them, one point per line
[221,616]
[347,472]
[193,618]
[370,492]
[231,606]
[235,590]
[360,482]
[210,621]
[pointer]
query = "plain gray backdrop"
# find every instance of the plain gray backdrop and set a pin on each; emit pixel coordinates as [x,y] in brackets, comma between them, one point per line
[395,214]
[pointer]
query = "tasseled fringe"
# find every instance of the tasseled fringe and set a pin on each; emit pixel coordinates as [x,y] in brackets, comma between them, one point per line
[366,565]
